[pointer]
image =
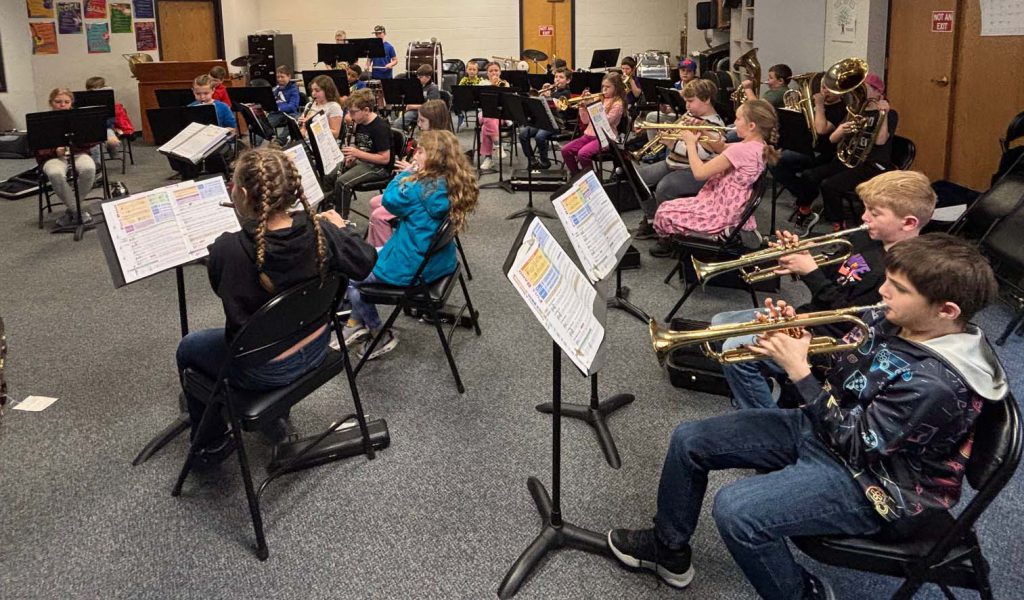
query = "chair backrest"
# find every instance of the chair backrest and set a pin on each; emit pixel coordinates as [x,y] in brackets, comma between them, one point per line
[1002,244]
[903,152]
[285,319]
[1014,131]
[446,97]
[397,146]
[444,235]
[1001,200]
[753,201]
[453,65]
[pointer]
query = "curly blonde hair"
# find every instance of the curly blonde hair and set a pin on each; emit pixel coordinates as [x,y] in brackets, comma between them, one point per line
[272,185]
[445,160]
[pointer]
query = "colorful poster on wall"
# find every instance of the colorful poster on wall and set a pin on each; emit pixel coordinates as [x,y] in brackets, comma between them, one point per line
[145,36]
[98,37]
[121,18]
[40,9]
[143,9]
[69,17]
[95,9]
[44,38]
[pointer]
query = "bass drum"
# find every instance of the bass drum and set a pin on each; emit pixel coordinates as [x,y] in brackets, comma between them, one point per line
[653,64]
[424,53]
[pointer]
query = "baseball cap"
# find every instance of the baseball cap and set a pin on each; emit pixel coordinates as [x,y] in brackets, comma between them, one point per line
[687,64]
[876,82]
[379,29]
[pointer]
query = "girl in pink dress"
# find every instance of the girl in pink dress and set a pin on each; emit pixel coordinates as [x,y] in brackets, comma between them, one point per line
[579,153]
[729,177]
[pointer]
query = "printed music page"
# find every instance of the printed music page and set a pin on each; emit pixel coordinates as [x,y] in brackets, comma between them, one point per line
[558,295]
[310,185]
[204,141]
[594,226]
[181,138]
[602,127]
[170,226]
[330,155]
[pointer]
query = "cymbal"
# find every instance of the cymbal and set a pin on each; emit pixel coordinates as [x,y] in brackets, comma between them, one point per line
[248,60]
[534,55]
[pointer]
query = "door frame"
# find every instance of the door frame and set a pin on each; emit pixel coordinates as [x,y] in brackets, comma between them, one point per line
[572,19]
[218,24]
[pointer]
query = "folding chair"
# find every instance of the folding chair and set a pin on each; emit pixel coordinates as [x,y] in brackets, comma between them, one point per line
[287,318]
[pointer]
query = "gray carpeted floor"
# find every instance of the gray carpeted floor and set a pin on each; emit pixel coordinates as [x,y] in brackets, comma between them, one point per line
[442,513]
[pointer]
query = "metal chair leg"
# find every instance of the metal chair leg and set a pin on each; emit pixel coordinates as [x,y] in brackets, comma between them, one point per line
[689,290]
[469,305]
[436,318]
[262,552]
[462,256]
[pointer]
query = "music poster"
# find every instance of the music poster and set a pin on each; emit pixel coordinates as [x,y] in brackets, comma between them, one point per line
[44,38]
[121,18]
[143,9]
[40,9]
[145,36]
[95,9]
[69,17]
[97,36]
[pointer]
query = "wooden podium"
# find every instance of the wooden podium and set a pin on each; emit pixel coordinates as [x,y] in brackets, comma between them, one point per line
[168,75]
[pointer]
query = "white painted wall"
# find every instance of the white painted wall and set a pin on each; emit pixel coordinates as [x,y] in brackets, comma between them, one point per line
[20,97]
[633,26]
[869,38]
[790,32]
[241,17]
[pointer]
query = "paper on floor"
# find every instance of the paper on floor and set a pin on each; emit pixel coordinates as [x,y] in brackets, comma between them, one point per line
[34,403]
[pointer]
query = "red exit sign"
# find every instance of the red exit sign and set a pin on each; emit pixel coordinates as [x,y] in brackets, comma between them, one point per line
[942,21]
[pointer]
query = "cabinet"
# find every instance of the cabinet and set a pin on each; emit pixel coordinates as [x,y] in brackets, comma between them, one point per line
[741,31]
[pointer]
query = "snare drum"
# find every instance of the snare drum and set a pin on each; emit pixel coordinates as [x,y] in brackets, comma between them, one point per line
[425,53]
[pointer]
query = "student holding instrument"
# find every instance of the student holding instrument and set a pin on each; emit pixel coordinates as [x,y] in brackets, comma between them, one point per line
[54,163]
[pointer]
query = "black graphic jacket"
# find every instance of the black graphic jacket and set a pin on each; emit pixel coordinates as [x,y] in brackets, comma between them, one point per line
[900,414]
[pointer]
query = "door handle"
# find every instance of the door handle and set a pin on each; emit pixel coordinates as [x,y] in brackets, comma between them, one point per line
[941,82]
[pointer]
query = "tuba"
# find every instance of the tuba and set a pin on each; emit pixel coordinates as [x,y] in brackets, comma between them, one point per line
[747,62]
[666,341]
[846,79]
[802,99]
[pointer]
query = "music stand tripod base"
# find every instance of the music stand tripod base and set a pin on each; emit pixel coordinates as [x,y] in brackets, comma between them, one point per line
[596,415]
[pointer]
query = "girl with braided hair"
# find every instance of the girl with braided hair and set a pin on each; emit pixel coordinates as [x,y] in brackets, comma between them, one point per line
[442,185]
[276,249]
[729,178]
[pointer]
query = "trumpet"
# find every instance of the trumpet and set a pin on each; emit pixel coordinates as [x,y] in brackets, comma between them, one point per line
[758,272]
[665,341]
[566,103]
[670,132]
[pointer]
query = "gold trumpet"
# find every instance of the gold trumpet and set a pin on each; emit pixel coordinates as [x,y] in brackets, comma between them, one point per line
[664,341]
[566,103]
[758,272]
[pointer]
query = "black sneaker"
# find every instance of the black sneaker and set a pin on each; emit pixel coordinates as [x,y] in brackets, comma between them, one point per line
[663,249]
[804,222]
[645,231]
[817,589]
[544,163]
[641,549]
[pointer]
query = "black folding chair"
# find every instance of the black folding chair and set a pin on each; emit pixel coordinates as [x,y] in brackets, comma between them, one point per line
[726,245]
[1006,253]
[942,549]
[1001,200]
[423,297]
[287,318]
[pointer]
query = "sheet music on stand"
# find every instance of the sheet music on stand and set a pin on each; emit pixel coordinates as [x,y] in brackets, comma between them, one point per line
[595,228]
[558,294]
[154,231]
[196,142]
[326,145]
[602,127]
[310,184]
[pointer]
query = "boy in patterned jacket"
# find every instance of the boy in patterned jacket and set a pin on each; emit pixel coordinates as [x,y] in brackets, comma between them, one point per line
[883,438]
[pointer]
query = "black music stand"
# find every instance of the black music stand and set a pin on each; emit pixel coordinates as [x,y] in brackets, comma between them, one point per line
[605,59]
[70,128]
[174,97]
[104,98]
[537,80]
[261,95]
[466,98]
[622,160]
[366,48]
[333,54]
[338,76]
[402,92]
[517,80]
[529,112]
[492,107]
[165,123]
[555,533]
[650,86]
[673,98]
[585,80]
[308,144]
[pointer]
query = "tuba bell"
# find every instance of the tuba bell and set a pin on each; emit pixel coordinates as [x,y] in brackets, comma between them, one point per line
[846,78]
[747,62]
[802,99]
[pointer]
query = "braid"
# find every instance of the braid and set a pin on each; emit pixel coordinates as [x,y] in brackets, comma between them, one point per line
[296,189]
[262,187]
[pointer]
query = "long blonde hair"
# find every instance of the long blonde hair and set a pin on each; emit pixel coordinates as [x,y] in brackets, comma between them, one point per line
[443,159]
[272,184]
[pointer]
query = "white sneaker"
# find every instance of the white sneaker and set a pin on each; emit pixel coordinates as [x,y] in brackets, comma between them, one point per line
[487,164]
[354,334]
[387,344]
[502,152]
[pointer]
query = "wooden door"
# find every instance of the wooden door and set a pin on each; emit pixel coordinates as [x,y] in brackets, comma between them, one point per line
[538,19]
[920,81]
[188,30]
[988,94]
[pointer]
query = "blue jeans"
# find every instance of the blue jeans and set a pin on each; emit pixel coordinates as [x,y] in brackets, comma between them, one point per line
[277,120]
[807,492]
[542,136]
[363,312]
[747,380]
[207,350]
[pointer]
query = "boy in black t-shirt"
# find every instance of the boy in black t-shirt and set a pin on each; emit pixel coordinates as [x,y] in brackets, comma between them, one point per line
[367,161]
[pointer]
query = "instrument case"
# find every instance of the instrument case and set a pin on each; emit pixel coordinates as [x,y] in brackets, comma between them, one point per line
[689,369]
[20,186]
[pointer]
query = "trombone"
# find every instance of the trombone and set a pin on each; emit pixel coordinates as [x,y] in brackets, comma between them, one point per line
[753,271]
[566,103]
[665,341]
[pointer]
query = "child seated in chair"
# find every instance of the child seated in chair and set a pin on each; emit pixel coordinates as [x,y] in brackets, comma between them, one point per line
[118,125]
[442,186]
[54,164]
[730,177]
[276,249]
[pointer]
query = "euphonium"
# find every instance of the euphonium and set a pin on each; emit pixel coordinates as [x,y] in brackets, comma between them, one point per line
[748,62]
[803,100]
[566,103]
[754,260]
[665,341]
[846,78]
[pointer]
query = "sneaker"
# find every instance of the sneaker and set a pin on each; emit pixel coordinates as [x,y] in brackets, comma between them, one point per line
[487,164]
[641,549]
[817,589]
[544,163]
[387,344]
[501,152]
[645,231]
[354,334]
[663,249]
[215,452]
[804,222]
